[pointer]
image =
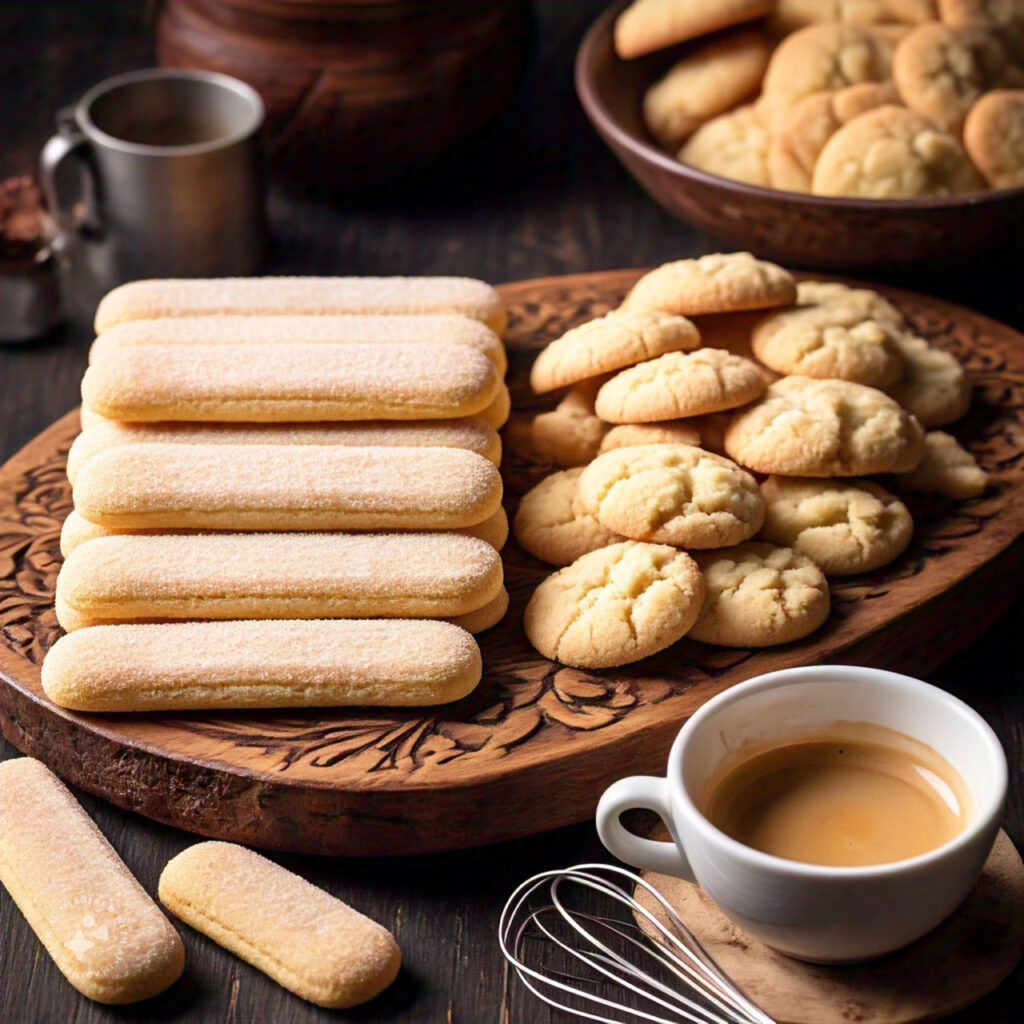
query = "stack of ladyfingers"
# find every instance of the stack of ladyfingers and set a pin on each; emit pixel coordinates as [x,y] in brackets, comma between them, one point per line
[285,494]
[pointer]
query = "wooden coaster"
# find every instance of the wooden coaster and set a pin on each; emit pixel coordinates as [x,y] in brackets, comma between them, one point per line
[953,966]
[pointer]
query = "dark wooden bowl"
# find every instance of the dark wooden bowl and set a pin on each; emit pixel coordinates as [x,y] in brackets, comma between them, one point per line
[816,232]
[357,91]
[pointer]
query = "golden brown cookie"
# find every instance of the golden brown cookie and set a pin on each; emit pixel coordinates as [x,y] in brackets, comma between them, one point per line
[571,433]
[947,468]
[934,386]
[942,71]
[711,79]
[889,153]
[621,338]
[616,605]
[717,283]
[733,145]
[758,595]
[994,137]
[870,304]
[649,25]
[672,494]
[680,384]
[553,524]
[845,526]
[806,427]
[629,435]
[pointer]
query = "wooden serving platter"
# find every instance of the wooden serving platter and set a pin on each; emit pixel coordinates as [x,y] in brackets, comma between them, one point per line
[536,744]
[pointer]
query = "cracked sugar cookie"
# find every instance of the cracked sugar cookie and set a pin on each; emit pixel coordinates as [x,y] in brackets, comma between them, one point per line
[570,434]
[869,303]
[616,605]
[553,524]
[994,137]
[621,338]
[947,468]
[934,386]
[733,145]
[807,427]
[629,435]
[845,526]
[716,283]
[789,15]
[891,152]
[759,595]
[672,494]
[680,384]
[649,25]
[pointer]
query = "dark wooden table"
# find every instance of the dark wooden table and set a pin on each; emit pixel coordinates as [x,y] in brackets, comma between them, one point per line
[537,194]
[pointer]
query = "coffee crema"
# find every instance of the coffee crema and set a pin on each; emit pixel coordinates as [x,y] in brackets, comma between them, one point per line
[848,795]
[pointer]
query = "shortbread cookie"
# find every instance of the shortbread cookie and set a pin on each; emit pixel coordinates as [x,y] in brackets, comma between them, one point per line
[103,931]
[470,433]
[806,427]
[717,283]
[616,605]
[290,296]
[649,25]
[758,595]
[845,526]
[302,937]
[942,71]
[279,487]
[869,304]
[833,339]
[793,151]
[496,414]
[934,386]
[994,137]
[790,15]
[672,494]
[621,338]
[571,433]
[708,81]
[139,578]
[680,384]
[1004,18]
[733,145]
[820,57]
[890,153]
[947,468]
[553,525]
[629,435]
[483,618]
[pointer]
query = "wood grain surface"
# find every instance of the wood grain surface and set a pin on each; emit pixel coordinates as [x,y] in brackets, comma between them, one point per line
[539,194]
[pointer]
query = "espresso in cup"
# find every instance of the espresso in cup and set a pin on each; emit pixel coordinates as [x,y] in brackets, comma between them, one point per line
[851,795]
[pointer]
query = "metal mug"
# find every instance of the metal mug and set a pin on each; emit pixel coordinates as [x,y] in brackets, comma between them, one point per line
[171,176]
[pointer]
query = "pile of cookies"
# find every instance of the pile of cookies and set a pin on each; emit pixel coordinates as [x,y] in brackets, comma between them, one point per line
[873,99]
[716,436]
[285,494]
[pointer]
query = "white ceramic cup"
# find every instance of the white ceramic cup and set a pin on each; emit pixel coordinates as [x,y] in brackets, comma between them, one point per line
[816,912]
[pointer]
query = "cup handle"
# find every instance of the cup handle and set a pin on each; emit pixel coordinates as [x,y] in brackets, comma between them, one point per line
[68,141]
[650,793]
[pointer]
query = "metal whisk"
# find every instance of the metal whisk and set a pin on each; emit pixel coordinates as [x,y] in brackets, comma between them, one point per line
[666,967]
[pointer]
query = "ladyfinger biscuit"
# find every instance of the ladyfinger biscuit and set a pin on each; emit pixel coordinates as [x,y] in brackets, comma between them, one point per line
[105,934]
[285,663]
[302,937]
[471,433]
[289,296]
[484,618]
[275,487]
[431,329]
[496,414]
[277,575]
[290,382]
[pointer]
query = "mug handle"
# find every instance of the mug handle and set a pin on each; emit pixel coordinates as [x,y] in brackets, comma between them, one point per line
[649,793]
[68,141]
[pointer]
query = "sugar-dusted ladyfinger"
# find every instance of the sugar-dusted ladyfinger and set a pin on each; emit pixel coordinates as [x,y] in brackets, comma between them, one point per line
[288,296]
[276,575]
[432,329]
[106,935]
[301,936]
[484,618]
[277,487]
[497,413]
[282,663]
[292,382]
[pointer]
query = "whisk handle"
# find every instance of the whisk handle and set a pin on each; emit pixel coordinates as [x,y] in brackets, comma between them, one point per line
[650,793]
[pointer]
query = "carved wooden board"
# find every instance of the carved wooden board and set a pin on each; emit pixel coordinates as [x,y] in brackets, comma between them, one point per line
[536,744]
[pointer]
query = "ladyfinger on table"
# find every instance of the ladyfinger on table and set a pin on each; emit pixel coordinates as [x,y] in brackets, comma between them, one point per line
[432,329]
[276,487]
[276,575]
[497,413]
[76,531]
[292,382]
[484,618]
[286,663]
[105,934]
[471,433]
[302,937]
[288,296]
